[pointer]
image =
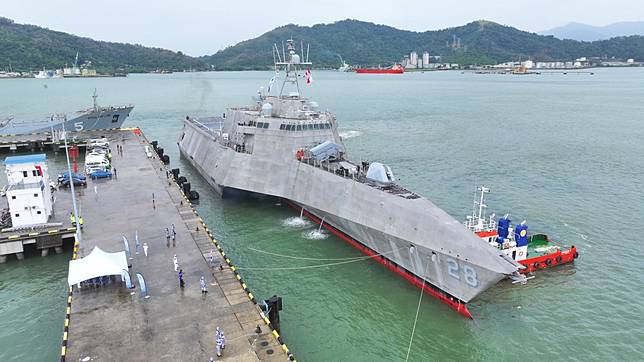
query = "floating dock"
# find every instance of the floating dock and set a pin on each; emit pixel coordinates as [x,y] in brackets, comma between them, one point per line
[113,323]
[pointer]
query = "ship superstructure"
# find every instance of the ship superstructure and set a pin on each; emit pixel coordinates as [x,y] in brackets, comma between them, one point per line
[284,145]
[93,118]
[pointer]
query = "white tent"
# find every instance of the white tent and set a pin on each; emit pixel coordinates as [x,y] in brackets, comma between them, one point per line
[98,263]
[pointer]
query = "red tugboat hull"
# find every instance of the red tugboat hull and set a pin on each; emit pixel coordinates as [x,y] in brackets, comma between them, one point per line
[549,260]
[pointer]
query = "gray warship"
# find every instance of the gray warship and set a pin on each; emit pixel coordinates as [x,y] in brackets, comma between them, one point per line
[93,118]
[283,145]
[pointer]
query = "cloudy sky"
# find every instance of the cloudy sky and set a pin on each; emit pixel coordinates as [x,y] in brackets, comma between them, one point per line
[199,27]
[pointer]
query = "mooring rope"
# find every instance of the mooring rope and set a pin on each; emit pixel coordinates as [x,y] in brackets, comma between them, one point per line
[413,330]
[350,260]
[316,259]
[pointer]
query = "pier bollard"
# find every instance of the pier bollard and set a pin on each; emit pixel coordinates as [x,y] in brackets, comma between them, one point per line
[274,305]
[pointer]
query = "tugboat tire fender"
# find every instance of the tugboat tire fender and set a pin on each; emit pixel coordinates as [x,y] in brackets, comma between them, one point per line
[558,259]
[548,262]
[576,255]
[536,265]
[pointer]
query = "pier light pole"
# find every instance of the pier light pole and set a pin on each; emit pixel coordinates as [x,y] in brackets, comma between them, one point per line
[71,185]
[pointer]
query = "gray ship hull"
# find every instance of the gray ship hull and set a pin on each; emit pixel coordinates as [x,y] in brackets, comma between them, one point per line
[88,120]
[413,234]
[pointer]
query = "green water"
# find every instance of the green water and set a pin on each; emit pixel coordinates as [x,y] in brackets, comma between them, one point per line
[565,152]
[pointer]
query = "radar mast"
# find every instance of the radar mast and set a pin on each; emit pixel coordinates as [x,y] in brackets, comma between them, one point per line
[291,63]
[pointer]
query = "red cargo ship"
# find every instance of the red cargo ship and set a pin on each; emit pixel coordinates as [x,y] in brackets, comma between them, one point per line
[396,69]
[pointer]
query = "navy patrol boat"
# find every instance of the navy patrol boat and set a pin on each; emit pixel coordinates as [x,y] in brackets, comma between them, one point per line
[93,118]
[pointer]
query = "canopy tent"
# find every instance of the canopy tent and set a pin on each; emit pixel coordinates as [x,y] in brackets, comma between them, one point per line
[97,264]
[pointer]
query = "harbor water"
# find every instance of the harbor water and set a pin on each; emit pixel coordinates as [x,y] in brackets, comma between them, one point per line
[564,152]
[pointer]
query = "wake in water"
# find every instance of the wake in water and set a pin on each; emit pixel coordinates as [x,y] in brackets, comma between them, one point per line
[315,234]
[350,134]
[296,222]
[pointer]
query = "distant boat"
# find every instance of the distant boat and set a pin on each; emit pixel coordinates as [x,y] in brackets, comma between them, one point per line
[46,74]
[395,69]
[344,67]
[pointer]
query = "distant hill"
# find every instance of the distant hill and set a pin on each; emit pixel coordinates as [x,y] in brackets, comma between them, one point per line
[363,43]
[29,47]
[584,32]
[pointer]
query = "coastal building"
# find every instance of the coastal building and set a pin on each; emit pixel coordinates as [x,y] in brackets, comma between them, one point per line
[28,192]
[425,59]
[413,60]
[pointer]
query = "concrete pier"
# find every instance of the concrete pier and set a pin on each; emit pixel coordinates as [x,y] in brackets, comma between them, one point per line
[113,323]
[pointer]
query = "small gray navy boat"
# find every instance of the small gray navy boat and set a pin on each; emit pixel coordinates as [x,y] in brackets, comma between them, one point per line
[90,119]
[283,145]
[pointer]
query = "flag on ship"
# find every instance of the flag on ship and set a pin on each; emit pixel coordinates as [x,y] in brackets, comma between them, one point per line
[270,83]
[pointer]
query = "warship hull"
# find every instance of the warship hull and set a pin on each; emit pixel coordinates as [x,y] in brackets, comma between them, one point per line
[410,236]
[89,120]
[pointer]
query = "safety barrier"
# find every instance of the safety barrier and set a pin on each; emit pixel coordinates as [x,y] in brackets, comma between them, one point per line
[31,235]
[68,312]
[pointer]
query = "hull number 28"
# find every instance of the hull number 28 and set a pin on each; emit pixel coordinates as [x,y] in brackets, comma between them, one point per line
[468,273]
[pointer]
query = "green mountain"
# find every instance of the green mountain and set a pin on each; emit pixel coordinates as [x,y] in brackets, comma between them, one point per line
[29,47]
[368,44]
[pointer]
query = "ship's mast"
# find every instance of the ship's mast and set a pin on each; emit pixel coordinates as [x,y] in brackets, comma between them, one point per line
[291,62]
[481,204]
[94,96]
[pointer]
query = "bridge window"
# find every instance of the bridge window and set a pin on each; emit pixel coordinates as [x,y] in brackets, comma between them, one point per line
[266,125]
[316,126]
[299,127]
[282,126]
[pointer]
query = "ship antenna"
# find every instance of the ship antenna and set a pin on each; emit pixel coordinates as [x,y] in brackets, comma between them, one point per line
[308,45]
[302,48]
[283,51]
[276,51]
[94,96]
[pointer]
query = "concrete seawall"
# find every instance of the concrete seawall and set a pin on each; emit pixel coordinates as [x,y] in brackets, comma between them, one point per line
[112,323]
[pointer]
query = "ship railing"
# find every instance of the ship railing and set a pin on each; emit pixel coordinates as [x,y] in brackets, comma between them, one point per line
[358,176]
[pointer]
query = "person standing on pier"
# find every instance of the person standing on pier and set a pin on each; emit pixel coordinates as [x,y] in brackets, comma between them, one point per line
[114,170]
[221,341]
[174,236]
[181,282]
[167,237]
[153,205]
[202,282]
[72,219]
[176,262]
[145,249]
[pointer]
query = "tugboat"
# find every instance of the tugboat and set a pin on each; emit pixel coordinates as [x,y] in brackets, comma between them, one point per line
[534,252]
